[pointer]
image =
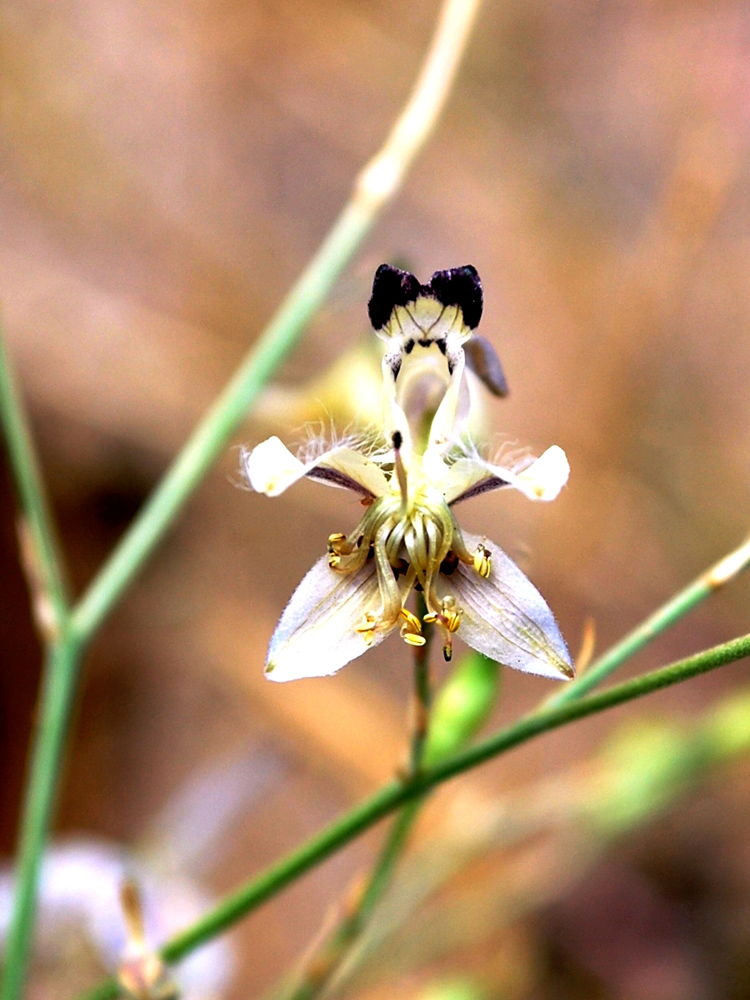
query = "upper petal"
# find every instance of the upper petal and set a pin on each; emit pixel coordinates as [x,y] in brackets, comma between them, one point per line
[271,468]
[316,633]
[542,480]
[506,618]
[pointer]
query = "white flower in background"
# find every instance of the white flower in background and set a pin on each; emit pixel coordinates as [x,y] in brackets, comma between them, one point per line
[408,537]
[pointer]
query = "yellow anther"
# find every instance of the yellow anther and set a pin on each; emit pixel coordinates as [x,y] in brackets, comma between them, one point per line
[338,545]
[411,630]
[412,638]
[411,620]
[449,615]
[366,628]
[367,624]
[452,621]
[483,561]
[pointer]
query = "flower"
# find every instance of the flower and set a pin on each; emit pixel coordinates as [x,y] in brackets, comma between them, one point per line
[408,537]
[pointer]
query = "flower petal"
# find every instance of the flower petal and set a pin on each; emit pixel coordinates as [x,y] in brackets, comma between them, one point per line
[506,618]
[271,468]
[542,480]
[316,634]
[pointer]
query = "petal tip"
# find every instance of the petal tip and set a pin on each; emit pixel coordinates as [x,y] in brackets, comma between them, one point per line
[545,478]
[270,467]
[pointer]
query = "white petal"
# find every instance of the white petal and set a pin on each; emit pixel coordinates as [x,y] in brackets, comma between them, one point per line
[542,480]
[271,468]
[316,634]
[506,618]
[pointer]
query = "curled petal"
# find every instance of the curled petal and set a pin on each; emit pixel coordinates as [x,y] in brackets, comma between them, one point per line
[317,631]
[506,618]
[542,480]
[271,468]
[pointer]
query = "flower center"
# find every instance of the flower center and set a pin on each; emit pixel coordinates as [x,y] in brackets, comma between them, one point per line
[413,543]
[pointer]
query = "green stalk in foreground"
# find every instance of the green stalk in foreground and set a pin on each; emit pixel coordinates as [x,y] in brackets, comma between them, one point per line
[397,794]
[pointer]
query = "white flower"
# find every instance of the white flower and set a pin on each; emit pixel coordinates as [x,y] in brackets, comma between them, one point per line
[409,537]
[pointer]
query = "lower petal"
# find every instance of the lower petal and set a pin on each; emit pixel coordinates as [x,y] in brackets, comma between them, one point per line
[506,618]
[316,634]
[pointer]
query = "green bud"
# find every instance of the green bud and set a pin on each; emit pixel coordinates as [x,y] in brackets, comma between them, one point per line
[462,706]
[727,727]
[453,989]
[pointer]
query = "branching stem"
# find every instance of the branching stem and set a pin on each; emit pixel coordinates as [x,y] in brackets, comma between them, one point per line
[397,794]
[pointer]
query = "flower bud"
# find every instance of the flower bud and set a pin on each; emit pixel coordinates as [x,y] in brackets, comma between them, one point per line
[462,705]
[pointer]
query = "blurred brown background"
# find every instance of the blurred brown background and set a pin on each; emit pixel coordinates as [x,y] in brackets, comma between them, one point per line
[166,170]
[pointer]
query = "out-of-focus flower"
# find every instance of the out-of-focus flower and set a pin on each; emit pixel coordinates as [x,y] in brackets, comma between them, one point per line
[80,913]
[142,973]
[409,537]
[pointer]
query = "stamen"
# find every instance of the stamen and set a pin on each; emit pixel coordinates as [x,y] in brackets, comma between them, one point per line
[390,594]
[339,545]
[459,545]
[366,628]
[393,545]
[483,561]
[411,620]
[449,615]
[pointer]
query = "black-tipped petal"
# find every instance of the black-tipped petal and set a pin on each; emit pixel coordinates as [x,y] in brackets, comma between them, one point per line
[460,286]
[390,288]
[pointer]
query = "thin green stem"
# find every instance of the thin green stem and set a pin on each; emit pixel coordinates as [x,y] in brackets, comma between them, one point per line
[49,595]
[374,188]
[221,421]
[397,794]
[60,673]
[42,560]
[663,618]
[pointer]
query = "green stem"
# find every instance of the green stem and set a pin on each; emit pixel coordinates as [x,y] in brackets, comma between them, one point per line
[49,596]
[221,421]
[397,794]
[374,188]
[663,618]
[58,685]
[46,575]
